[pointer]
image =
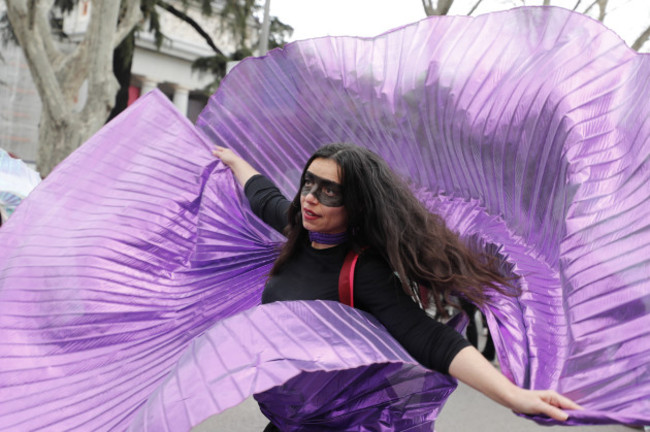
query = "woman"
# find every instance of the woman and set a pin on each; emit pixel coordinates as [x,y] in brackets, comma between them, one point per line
[350,199]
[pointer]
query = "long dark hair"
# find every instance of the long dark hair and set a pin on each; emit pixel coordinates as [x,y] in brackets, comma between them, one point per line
[383,214]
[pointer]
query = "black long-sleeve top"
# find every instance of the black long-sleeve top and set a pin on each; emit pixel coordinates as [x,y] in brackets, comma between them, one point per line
[313,274]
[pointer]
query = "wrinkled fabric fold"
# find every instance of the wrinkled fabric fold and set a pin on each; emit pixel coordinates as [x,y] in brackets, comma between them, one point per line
[527,130]
[358,376]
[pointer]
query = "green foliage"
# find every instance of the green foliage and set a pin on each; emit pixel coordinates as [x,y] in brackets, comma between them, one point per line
[151,17]
[154,26]
[235,17]
[279,32]
[217,65]
[206,7]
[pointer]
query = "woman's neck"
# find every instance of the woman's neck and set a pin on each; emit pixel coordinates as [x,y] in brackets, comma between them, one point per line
[327,240]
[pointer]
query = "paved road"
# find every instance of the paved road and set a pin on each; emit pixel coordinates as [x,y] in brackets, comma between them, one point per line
[465,411]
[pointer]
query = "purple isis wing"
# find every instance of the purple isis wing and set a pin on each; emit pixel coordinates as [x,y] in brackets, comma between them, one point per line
[135,244]
[529,131]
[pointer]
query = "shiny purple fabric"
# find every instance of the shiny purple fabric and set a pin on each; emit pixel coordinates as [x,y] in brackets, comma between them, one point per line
[340,368]
[134,245]
[132,249]
[527,130]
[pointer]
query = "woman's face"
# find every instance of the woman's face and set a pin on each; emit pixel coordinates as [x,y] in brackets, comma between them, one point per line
[321,198]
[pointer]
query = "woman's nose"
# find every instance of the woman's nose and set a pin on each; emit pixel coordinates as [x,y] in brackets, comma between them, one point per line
[311,198]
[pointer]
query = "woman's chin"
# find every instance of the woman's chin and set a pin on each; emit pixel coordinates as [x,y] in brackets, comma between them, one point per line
[308,225]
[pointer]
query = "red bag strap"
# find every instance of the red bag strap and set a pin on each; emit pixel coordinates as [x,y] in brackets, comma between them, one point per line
[346,278]
[346,281]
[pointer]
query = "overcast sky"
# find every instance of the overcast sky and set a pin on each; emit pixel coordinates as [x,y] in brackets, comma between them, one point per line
[313,18]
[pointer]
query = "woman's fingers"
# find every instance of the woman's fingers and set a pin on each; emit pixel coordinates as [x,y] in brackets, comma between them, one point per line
[554,413]
[242,170]
[560,401]
[553,404]
[226,155]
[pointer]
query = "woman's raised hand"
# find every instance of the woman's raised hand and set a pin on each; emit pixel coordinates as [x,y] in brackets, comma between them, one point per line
[226,155]
[242,170]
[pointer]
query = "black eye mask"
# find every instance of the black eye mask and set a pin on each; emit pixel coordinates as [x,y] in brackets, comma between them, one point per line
[327,192]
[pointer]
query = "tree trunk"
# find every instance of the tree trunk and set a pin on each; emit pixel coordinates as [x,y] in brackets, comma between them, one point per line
[59,76]
[55,139]
[58,140]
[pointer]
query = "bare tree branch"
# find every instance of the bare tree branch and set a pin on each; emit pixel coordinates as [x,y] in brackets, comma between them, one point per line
[76,67]
[576,6]
[471,11]
[642,39]
[602,6]
[546,3]
[442,7]
[428,7]
[132,16]
[32,12]
[74,71]
[38,19]
[32,41]
[180,14]
[80,53]
[42,22]
[102,83]
[586,11]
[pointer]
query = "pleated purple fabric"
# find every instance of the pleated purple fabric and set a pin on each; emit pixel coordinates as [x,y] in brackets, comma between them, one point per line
[134,245]
[127,253]
[341,371]
[123,275]
[529,131]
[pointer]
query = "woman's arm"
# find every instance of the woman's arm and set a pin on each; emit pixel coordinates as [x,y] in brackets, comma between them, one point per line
[470,367]
[440,347]
[242,170]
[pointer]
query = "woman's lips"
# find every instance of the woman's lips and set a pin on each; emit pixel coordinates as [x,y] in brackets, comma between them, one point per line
[309,215]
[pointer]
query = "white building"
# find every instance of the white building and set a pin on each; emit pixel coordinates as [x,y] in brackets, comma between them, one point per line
[168,68]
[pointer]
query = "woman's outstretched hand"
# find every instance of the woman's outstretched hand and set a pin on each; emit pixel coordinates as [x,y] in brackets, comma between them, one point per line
[473,369]
[240,168]
[547,402]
